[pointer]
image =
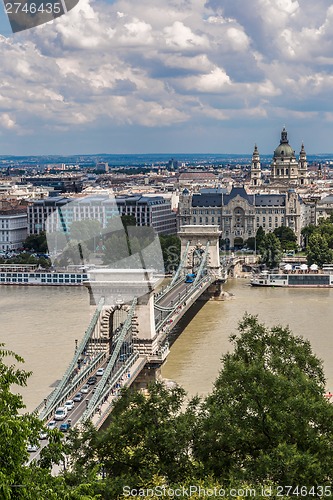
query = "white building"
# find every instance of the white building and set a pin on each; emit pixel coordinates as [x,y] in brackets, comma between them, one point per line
[13,229]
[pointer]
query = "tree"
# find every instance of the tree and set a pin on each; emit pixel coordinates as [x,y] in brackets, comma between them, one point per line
[36,243]
[149,435]
[325,228]
[128,220]
[170,244]
[128,241]
[306,232]
[251,243]
[270,250]
[87,231]
[267,418]
[75,253]
[260,235]
[287,237]
[17,479]
[317,251]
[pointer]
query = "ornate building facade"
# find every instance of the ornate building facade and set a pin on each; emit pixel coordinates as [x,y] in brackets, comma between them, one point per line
[286,171]
[239,214]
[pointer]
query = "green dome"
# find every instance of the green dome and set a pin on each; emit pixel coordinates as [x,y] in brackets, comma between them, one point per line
[284,149]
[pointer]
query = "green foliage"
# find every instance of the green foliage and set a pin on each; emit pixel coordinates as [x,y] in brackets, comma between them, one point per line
[251,243]
[270,250]
[171,246]
[125,243]
[75,253]
[260,235]
[318,251]
[306,232]
[17,480]
[149,435]
[27,258]
[265,423]
[267,419]
[87,231]
[36,243]
[287,237]
[128,220]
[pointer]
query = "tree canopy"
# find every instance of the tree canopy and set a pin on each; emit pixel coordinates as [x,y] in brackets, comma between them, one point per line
[318,251]
[287,237]
[265,422]
[267,419]
[270,250]
[36,242]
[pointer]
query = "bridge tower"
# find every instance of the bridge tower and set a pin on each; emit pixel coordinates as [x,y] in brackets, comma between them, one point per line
[195,240]
[119,287]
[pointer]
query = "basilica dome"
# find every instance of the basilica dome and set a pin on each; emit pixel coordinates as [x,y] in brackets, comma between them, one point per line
[284,149]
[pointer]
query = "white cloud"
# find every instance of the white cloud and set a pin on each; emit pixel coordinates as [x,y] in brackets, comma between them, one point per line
[6,121]
[215,81]
[238,39]
[180,36]
[148,64]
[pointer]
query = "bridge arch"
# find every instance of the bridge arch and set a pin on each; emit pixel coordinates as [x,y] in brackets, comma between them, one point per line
[198,239]
[112,320]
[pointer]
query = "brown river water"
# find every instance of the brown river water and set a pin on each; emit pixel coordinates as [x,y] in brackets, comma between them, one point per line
[42,323]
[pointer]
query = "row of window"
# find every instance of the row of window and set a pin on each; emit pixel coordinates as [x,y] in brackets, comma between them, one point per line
[43,280]
[237,212]
[270,219]
[54,276]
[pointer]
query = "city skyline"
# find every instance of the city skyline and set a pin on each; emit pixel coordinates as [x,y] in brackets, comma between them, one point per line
[190,77]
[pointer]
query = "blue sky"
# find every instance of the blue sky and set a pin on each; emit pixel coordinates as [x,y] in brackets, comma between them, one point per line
[179,76]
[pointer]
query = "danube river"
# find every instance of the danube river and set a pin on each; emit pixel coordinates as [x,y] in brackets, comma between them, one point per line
[42,323]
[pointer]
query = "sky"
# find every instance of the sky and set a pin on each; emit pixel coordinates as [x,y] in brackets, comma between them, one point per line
[169,77]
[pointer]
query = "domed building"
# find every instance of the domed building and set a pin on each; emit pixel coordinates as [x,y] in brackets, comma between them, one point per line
[285,168]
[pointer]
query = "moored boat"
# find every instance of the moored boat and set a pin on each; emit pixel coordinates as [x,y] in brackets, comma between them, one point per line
[304,280]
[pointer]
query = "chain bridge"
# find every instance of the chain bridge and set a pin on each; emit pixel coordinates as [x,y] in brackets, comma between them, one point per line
[128,339]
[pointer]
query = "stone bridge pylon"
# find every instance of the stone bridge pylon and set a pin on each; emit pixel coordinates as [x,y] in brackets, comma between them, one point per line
[195,240]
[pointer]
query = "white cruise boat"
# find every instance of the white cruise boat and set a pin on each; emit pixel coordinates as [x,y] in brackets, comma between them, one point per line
[302,280]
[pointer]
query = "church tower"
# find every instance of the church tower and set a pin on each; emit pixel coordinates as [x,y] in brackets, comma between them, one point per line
[284,166]
[302,168]
[255,168]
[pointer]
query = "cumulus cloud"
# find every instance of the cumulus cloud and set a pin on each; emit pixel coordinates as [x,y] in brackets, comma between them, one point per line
[158,64]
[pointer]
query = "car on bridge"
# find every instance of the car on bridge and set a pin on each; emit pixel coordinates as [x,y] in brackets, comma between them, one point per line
[100,372]
[43,434]
[32,448]
[60,413]
[124,356]
[190,278]
[92,380]
[65,426]
[69,404]
[52,425]
[85,389]
[78,397]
